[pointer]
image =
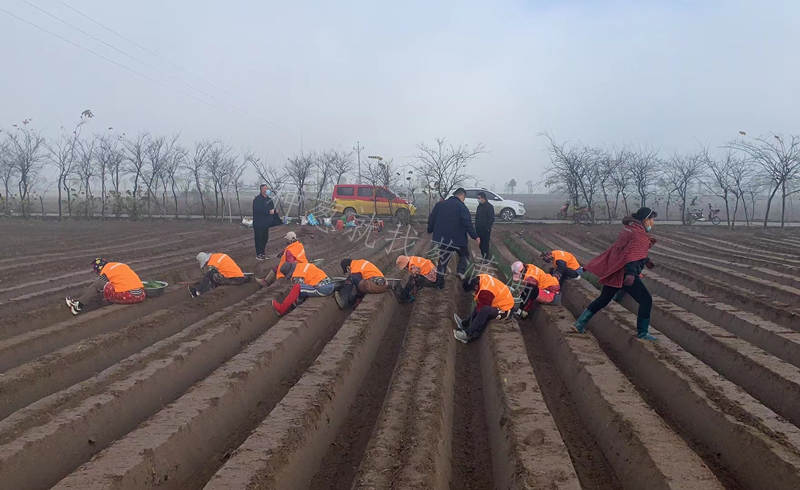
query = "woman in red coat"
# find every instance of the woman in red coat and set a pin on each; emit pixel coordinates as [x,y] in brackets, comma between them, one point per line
[619,267]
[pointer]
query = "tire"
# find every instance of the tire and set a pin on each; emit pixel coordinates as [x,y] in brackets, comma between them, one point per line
[507,214]
[348,212]
[402,216]
[584,219]
[715,220]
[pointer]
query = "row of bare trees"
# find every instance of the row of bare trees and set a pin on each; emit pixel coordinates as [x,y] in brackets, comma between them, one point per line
[739,173]
[142,175]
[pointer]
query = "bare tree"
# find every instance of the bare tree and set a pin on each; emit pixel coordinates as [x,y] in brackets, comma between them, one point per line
[444,166]
[621,177]
[136,156]
[342,164]
[218,166]
[86,171]
[643,169]
[605,170]
[177,160]
[681,172]
[8,171]
[575,170]
[780,161]
[27,147]
[197,168]
[512,184]
[298,170]
[529,183]
[324,163]
[62,154]
[721,181]
[157,155]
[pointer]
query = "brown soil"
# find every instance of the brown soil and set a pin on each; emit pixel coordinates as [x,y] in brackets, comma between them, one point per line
[219,392]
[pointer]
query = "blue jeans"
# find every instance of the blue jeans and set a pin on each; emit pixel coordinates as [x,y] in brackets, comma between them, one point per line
[320,290]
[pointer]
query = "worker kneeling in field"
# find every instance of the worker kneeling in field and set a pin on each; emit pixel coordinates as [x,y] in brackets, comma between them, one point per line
[537,287]
[294,252]
[218,270]
[308,280]
[493,301]
[423,274]
[117,283]
[363,277]
[564,265]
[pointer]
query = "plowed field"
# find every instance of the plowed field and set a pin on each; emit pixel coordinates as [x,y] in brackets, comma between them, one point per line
[218,392]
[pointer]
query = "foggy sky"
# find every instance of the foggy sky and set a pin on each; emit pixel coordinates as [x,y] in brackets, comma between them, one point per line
[275,77]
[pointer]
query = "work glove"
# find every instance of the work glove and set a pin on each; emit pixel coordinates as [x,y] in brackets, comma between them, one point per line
[649,264]
[628,281]
[652,241]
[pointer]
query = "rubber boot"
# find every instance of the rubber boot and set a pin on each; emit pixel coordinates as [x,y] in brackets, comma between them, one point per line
[580,323]
[289,301]
[642,324]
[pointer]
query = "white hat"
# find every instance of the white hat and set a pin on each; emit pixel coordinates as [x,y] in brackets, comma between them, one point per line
[516,270]
[203,258]
[290,236]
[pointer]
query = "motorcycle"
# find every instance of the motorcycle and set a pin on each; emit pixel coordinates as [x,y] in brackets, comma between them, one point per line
[696,214]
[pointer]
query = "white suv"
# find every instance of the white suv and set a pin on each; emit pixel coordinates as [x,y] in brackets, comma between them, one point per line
[505,209]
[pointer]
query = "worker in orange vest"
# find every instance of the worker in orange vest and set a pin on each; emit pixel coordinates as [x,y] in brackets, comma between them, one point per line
[116,283]
[493,300]
[563,265]
[537,286]
[422,274]
[363,277]
[218,270]
[307,280]
[294,252]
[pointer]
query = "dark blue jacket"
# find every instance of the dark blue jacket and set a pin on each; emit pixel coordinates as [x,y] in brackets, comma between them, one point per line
[261,208]
[450,223]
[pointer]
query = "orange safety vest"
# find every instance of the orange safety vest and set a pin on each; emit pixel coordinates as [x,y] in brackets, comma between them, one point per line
[503,299]
[225,265]
[572,262]
[425,266]
[309,273]
[121,277]
[296,249]
[366,268]
[544,279]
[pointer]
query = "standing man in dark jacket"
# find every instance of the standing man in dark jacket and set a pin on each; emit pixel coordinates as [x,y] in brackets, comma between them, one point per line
[263,216]
[450,224]
[484,219]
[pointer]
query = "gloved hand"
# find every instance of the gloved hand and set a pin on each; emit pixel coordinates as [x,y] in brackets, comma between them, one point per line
[628,281]
[652,241]
[649,264]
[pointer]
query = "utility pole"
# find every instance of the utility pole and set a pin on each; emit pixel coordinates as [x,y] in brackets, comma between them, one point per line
[358,149]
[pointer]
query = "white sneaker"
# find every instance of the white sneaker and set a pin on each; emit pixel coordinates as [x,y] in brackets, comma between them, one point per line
[461,275]
[459,324]
[461,336]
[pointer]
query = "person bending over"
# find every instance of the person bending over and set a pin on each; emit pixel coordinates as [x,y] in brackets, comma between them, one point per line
[537,287]
[218,270]
[422,275]
[563,265]
[308,280]
[363,277]
[116,284]
[493,301]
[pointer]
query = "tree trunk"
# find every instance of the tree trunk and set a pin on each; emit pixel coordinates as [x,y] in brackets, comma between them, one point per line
[783,202]
[769,204]
[735,210]
[727,210]
[58,185]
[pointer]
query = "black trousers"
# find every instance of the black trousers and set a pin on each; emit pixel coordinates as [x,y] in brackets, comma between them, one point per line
[486,237]
[212,278]
[261,234]
[445,254]
[478,321]
[638,292]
